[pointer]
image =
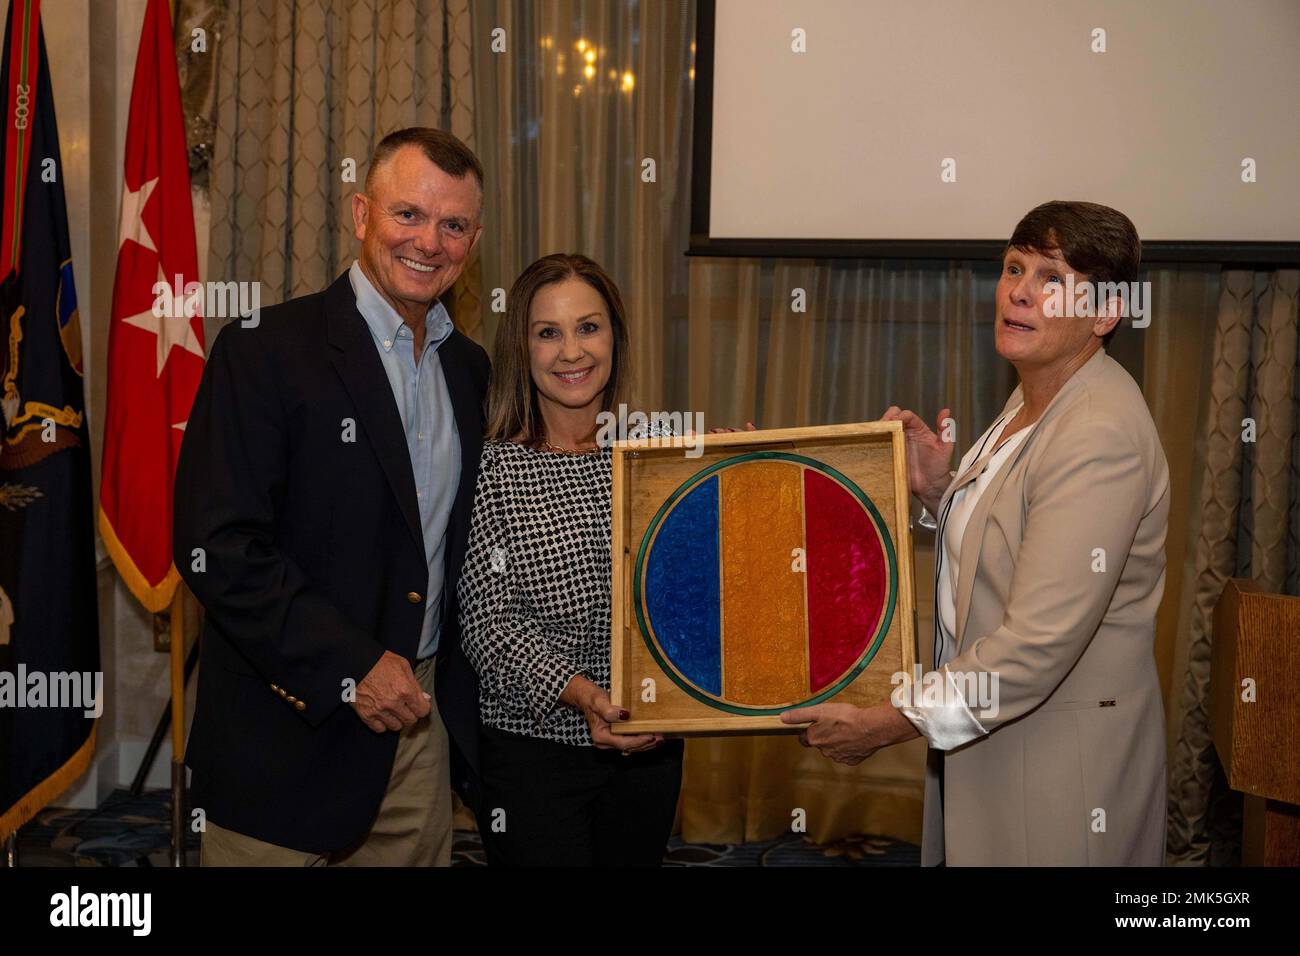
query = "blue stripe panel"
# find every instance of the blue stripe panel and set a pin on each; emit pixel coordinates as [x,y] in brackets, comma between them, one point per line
[681,587]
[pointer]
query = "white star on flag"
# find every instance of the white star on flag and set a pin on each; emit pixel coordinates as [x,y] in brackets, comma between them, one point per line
[131,224]
[172,331]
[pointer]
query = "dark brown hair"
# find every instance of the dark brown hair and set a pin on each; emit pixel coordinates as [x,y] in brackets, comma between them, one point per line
[442,149]
[1098,241]
[512,398]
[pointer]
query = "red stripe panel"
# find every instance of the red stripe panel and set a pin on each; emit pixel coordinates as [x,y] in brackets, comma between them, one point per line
[846,578]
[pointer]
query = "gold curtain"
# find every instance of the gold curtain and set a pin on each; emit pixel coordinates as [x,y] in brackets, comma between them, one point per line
[583,126]
[1245,522]
[813,342]
[1175,382]
[306,89]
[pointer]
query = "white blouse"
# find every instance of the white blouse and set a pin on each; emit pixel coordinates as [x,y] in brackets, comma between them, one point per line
[947,722]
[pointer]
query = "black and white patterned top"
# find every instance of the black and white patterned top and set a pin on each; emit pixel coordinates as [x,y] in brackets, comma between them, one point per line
[534,591]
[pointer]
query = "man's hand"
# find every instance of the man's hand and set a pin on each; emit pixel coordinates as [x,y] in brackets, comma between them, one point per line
[849,734]
[389,697]
[593,701]
[927,455]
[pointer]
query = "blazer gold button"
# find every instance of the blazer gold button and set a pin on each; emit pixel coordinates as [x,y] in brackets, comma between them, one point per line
[299,705]
[414,597]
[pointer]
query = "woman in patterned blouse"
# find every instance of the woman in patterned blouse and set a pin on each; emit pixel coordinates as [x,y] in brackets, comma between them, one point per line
[558,786]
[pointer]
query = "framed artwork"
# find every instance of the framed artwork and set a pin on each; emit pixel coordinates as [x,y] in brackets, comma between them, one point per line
[755,572]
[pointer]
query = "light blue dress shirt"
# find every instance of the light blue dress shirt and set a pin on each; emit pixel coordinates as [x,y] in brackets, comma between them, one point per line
[429,422]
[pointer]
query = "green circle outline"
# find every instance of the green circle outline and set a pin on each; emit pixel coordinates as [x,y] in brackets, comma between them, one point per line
[866,657]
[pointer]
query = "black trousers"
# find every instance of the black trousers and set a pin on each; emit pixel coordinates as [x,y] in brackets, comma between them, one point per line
[552,804]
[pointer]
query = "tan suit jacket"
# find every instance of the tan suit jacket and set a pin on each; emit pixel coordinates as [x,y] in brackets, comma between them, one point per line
[1072,771]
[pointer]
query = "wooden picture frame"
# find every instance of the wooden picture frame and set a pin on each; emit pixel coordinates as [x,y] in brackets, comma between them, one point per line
[771,570]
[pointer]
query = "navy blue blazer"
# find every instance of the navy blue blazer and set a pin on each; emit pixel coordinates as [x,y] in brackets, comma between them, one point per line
[305,550]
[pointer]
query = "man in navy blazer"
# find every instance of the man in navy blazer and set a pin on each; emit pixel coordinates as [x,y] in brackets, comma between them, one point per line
[323,500]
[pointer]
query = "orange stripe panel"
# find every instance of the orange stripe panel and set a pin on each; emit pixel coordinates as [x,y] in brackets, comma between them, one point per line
[764,631]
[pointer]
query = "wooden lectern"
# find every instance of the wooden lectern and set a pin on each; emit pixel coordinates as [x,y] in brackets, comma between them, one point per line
[1255,716]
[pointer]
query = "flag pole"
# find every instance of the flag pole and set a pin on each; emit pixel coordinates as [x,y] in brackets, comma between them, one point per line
[178,725]
[178,679]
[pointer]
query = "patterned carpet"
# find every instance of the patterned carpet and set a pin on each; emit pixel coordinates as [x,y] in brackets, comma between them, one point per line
[134,831]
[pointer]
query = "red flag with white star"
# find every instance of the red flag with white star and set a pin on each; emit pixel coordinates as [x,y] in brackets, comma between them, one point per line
[155,342]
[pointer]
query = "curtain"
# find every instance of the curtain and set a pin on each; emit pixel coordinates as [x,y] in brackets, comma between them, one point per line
[1175,366]
[584,126]
[1245,523]
[305,91]
[870,333]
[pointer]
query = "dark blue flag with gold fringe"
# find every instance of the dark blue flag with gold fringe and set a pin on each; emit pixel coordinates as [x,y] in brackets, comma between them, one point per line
[50,682]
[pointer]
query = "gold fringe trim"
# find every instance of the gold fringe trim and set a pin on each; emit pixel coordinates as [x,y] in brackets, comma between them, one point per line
[155,598]
[36,799]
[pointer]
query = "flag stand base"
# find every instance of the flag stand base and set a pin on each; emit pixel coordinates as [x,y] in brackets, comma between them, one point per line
[178,813]
[160,730]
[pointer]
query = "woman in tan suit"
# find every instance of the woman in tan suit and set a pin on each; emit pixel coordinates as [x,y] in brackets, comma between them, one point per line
[1044,716]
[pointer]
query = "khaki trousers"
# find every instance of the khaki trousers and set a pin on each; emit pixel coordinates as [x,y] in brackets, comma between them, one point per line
[412,828]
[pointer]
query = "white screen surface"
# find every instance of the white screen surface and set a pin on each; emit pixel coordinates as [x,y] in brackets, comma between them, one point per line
[847,141]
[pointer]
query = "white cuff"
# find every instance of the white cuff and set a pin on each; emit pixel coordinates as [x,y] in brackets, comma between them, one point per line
[947,722]
[927,520]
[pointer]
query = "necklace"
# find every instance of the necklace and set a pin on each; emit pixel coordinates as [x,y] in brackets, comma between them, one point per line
[547,446]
